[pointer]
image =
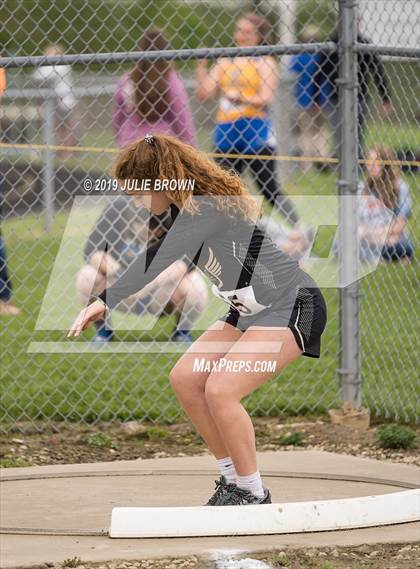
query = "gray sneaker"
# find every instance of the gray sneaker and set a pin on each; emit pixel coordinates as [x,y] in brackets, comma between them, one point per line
[240,497]
[223,489]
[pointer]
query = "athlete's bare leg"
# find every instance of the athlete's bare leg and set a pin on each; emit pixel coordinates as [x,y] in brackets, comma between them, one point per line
[189,385]
[224,391]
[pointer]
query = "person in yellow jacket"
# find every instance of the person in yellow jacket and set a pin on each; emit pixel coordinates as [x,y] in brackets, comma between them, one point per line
[3,81]
[247,88]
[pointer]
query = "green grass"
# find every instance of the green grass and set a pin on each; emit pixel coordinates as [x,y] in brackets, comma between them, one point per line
[109,386]
[398,136]
[72,562]
[14,462]
[296,439]
[395,436]
[101,440]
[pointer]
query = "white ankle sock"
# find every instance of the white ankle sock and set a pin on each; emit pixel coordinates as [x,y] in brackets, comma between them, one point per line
[227,469]
[252,483]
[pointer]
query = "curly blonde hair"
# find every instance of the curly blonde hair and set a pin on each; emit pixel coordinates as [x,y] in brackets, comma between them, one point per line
[166,157]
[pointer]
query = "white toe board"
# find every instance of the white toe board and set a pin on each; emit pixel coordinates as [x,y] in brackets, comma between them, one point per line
[289,517]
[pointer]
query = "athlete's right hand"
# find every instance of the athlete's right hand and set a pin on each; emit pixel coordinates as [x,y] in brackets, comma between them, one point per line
[86,317]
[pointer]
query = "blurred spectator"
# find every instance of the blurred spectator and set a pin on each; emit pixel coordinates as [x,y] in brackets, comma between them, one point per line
[3,81]
[122,232]
[59,78]
[247,87]
[313,138]
[6,305]
[385,210]
[152,98]
[369,64]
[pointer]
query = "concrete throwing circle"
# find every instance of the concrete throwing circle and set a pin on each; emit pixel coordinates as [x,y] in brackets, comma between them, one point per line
[55,503]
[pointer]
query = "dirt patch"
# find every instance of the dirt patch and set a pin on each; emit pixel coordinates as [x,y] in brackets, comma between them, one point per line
[63,443]
[379,556]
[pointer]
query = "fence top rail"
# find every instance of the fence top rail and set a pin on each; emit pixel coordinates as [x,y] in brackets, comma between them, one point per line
[42,94]
[396,51]
[201,53]
[173,54]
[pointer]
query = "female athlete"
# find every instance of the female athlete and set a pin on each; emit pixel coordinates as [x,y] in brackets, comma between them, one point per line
[276,312]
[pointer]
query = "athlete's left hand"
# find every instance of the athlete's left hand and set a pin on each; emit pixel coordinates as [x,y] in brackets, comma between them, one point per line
[87,316]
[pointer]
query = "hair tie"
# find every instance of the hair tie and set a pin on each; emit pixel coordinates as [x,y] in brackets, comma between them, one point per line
[150,139]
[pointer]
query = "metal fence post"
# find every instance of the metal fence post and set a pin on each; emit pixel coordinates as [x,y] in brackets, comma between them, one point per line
[48,170]
[286,133]
[348,168]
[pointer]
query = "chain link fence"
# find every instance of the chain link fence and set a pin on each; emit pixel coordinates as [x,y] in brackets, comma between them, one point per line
[272,89]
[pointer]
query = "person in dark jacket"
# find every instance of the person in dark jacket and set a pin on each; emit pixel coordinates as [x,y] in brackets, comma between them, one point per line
[7,308]
[369,66]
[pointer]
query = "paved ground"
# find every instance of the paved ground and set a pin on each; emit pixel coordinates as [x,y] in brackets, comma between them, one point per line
[59,500]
